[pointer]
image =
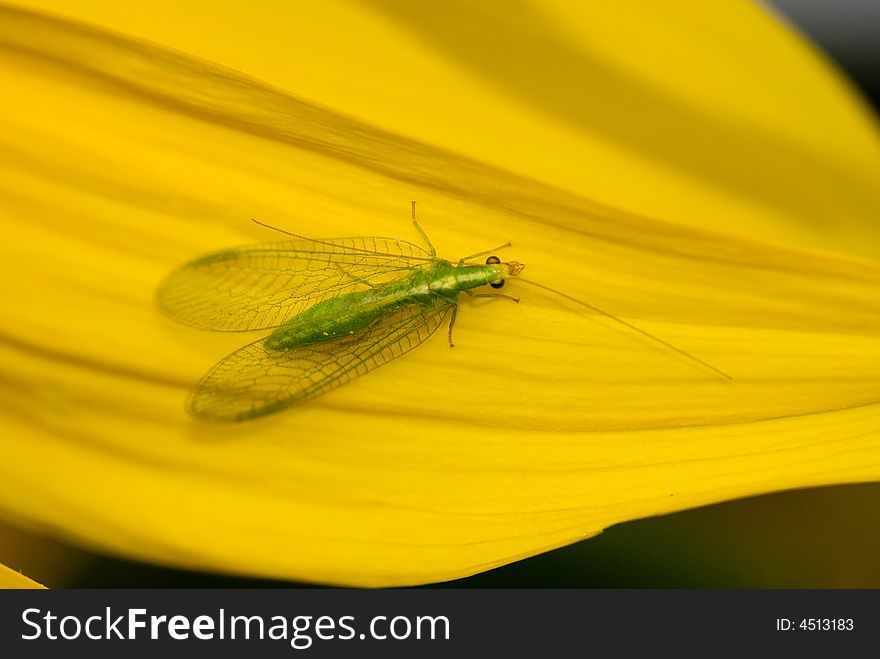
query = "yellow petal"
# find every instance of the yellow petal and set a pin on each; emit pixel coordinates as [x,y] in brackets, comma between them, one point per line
[712,116]
[12,579]
[546,424]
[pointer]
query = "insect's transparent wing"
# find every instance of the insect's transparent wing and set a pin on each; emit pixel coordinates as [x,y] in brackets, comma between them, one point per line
[254,381]
[262,286]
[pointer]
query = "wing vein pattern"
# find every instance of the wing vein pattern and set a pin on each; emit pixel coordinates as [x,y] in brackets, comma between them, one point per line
[254,381]
[261,286]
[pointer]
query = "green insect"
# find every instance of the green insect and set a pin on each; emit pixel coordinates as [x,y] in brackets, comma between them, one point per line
[338,308]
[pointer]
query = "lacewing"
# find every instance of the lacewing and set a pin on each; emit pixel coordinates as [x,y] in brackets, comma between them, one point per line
[337,307]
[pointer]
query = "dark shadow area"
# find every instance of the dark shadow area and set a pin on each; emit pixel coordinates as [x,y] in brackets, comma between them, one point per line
[845,29]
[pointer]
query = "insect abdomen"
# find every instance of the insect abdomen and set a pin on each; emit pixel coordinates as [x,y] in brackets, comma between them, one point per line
[328,320]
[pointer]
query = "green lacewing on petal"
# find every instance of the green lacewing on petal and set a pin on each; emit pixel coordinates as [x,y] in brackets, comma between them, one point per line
[339,308]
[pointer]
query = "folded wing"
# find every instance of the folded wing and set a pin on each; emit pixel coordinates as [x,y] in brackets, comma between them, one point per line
[261,286]
[254,381]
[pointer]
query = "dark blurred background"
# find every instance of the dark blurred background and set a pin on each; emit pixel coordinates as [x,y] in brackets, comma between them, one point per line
[817,538]
[847,30]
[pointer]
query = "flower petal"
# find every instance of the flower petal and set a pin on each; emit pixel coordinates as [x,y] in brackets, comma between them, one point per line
[715,116]
[12,579]
[546,424]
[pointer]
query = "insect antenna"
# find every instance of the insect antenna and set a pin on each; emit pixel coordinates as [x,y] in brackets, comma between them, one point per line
[330,243]
[269,226]
[634,328]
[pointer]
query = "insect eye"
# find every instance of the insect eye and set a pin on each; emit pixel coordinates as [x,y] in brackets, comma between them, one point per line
[494,260]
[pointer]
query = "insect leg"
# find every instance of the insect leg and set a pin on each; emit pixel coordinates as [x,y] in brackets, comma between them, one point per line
[451,323]
[509,297]
[488,251]
[422,231]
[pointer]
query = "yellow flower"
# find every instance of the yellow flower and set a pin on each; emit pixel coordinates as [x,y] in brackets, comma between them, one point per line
[568,128]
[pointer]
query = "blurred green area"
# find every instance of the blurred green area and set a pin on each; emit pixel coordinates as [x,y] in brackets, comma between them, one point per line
[816,538]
